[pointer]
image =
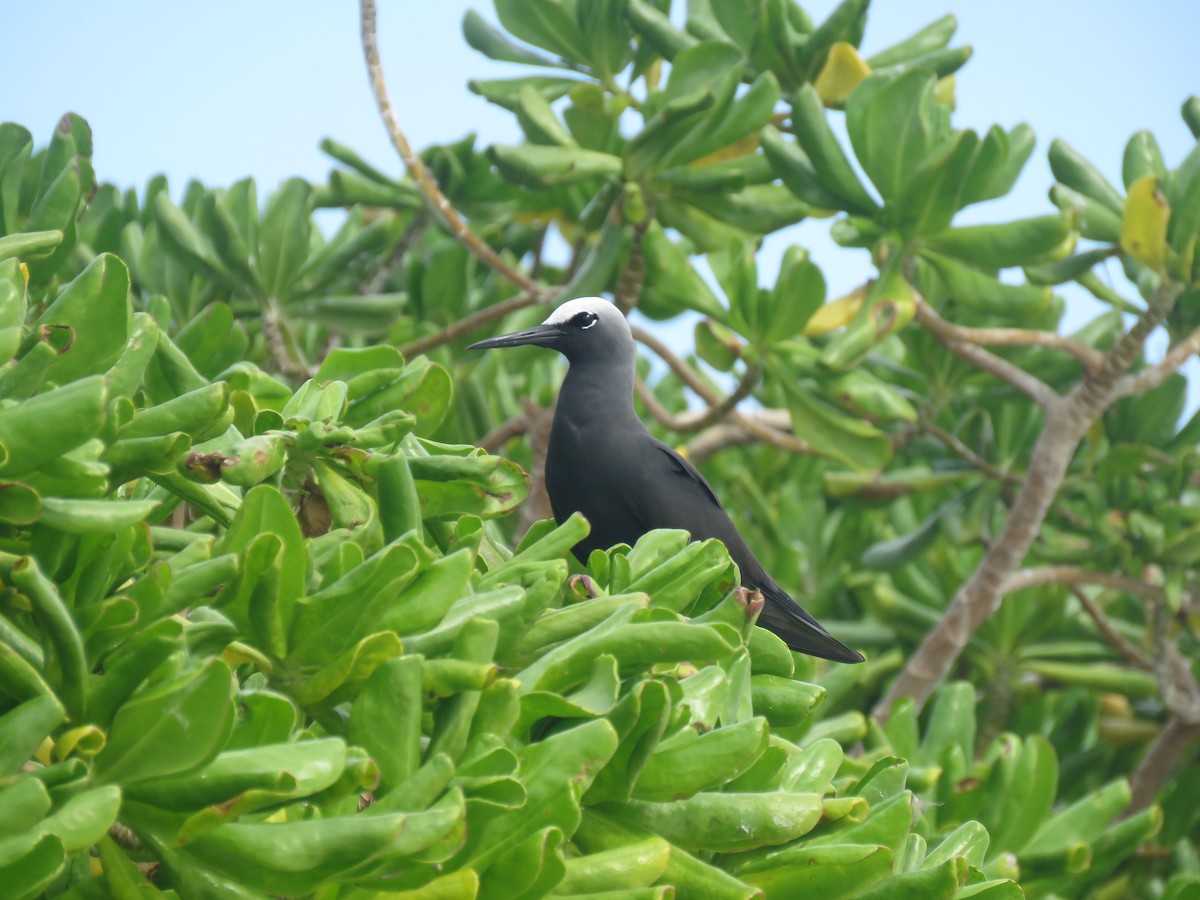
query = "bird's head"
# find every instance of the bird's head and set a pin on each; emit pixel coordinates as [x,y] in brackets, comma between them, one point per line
[584,330]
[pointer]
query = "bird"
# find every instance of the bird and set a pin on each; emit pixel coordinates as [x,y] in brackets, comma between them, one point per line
[603,462]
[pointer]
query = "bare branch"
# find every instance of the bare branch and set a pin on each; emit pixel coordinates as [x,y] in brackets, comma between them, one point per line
[423,178]
[505,432]
[1078,575]
[716,439]
[966,453]
[1152,376]
[379,278]
[1155,768]
[692,422]
[468,324]
[1096,392]
[755,427]
[1104,625]
[1020,337]
[948,334]
[685,373]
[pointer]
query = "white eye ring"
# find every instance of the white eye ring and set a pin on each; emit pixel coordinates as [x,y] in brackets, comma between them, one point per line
[591,324]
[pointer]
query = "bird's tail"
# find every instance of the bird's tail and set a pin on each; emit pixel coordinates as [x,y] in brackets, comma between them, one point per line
[800,631]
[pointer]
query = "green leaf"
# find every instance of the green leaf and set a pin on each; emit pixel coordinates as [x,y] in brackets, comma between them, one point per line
[542,166]
[96,305]
[894,124]
[29,875]
[284,237]
[832,433]
[192,714]
[727,822]
[1018,243]
[24,727]
[492,43]
[544,23]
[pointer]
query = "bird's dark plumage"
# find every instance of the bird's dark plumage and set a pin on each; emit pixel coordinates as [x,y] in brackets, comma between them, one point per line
[604,463]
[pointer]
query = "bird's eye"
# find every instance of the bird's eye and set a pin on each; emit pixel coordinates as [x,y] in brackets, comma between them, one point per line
[584,320]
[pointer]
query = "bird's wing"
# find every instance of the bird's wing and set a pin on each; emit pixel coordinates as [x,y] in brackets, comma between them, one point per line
[683,499]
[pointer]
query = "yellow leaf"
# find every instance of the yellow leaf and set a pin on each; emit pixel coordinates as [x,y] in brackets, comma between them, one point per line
[736,150]
[943,91]
[836,313]
[1144,224]
[840,75]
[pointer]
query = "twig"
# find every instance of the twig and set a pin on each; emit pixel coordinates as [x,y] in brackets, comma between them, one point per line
[751,427]
[686,373]
[1019,337]
[948,334]
[1156,766]
[756,429]
[966,453]
[423,178]
[690,423]
[1152,376]
[1078,575]
[715,439]
[505,432]
[468,324]
[1104,625]
[1098,391]
[1073,576]
[379,278]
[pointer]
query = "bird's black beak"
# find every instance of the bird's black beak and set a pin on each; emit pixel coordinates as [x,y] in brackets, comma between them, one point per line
[541,336]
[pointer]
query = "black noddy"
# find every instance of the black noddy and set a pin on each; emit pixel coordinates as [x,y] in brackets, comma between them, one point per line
[604,463]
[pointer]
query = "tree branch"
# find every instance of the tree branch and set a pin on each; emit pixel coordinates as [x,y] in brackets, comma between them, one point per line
[1152,376]
[1156,766]
[967,454]
[1123,645]
[1079,575]
[1067,420]
[468,324]
[505,432]
[379,278]
[682,370]
[423,178]
[1019,337]
[949,336]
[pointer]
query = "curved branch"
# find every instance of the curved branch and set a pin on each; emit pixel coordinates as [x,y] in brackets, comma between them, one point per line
[967,454]
[686,373]
[690,377]
[949,335]
[1152,376]
[505,432]
[423,178]
[1079,575]
[1156,766]
[468,324]
[1020,337]
[690,423]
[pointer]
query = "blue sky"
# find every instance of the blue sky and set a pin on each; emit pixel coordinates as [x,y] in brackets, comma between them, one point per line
[222,90]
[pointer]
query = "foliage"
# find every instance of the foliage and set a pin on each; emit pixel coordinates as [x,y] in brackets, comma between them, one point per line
[265,631]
